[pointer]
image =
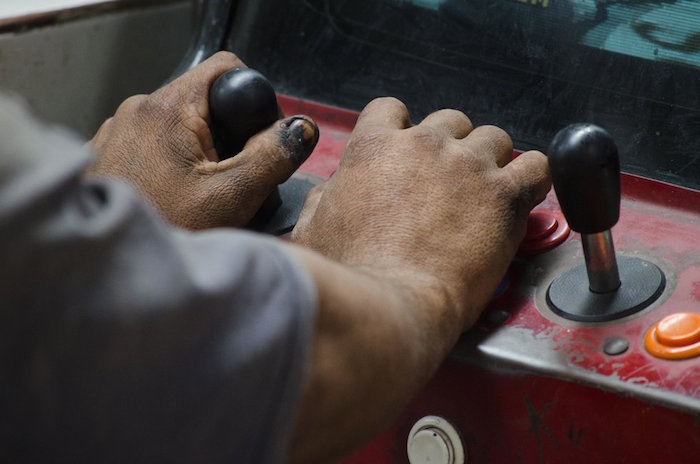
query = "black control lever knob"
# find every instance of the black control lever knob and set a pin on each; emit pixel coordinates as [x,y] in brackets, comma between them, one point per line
[585,172]
[242,102]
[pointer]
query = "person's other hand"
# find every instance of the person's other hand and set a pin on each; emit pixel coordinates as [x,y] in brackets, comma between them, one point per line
[161,143]
[439,204]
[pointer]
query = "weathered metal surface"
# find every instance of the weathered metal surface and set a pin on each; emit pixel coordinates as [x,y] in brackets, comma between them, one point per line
[38,14]
[76,73]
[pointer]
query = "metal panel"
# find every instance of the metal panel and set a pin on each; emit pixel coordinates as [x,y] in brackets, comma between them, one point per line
[76,73]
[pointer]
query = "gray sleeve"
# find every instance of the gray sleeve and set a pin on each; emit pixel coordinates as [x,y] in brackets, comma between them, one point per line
[125,340]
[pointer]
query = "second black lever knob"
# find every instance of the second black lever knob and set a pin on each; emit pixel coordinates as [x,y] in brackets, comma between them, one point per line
[585,170]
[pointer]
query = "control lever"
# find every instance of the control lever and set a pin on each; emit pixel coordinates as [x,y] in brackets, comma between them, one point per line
[585,168]
[586,176]
[242,102]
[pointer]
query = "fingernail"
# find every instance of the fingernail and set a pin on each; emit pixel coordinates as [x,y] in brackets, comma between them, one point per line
[305,134]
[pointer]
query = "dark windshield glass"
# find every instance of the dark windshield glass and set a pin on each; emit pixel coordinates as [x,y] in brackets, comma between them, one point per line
[530,66]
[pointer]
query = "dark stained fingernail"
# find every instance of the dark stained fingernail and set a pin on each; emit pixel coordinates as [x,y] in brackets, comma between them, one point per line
[304,133]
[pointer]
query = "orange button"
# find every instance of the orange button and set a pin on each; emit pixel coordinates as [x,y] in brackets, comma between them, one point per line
[680,329]
[676,336]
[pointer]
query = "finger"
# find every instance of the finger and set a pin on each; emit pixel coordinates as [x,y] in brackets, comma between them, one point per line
[531,172]
[193,86]
[205,73]
[272,156]
[387,112]
[493,142]
[126,110]
[130,106]
[451,122]
[102,133]
[313,198]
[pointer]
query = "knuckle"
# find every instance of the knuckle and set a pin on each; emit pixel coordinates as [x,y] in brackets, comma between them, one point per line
[426,138]
[131,104]
[465,119]
[105,127]
[505,188]
[455,114]
[225,57]
[385,103]
[152,105]
[164,109]
[538,161]
[513,194]
[422,132]
[365,144]
[366,138]
[499,136]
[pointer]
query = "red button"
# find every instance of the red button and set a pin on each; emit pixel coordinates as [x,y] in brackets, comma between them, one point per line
[545,230]
[540,224]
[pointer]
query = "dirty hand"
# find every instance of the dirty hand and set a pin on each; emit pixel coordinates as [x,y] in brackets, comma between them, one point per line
[161,143]
[440,204]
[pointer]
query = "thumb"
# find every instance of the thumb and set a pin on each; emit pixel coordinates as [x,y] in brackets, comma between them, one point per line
[240,184]
[270,157]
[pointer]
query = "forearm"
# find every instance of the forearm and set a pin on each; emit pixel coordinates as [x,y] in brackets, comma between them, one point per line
[378,339]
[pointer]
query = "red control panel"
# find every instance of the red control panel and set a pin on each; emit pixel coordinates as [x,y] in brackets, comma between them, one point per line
[528,385]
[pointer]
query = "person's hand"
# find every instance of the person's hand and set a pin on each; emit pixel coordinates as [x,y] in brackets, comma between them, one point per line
[439,204]
[161,143]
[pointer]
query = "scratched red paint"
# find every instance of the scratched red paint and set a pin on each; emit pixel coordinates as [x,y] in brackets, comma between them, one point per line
[507,418]
[533,418]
